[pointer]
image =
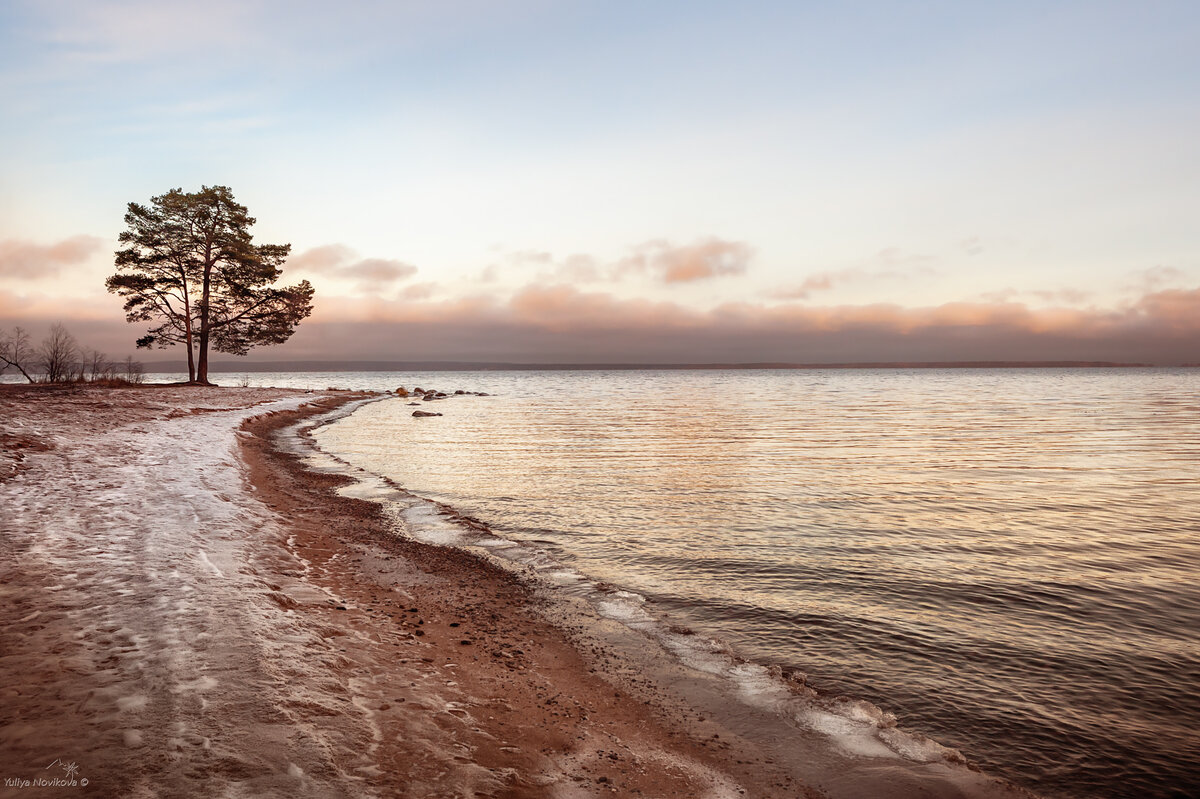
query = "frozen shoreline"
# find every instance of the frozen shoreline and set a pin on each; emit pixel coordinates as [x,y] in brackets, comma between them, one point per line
[185,614]
[139,644]
[186,610]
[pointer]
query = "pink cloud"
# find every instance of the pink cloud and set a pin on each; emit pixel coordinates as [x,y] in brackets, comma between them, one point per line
[705,259]
[337,260]
[660,259]
[1157,277]
[711,258]
[378,270]
[419,291]
[26,259]
[897,266]
[321,260]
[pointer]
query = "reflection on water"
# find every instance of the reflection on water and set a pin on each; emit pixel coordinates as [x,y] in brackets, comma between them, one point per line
[1005,559]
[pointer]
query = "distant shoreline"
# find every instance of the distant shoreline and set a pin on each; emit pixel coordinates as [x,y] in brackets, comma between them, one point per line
[161,367]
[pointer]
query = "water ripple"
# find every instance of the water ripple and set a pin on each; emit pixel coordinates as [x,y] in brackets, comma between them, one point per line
[1007,560]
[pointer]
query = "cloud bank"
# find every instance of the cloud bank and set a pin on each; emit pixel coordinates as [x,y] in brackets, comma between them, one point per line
[561,324]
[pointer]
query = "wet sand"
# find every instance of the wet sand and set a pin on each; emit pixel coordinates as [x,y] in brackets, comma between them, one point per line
[187,610]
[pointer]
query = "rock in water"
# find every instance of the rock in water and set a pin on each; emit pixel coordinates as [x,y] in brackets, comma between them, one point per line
[402,392]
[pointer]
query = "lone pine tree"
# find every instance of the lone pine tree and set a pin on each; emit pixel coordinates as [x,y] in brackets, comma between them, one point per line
[188,264]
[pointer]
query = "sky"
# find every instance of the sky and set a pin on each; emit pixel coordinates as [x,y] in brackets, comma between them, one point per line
[682,182]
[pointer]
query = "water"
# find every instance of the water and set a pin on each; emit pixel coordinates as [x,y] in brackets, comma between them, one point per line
[1004,559]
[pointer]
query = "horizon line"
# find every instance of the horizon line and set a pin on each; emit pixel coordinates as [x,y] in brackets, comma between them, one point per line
[163,367]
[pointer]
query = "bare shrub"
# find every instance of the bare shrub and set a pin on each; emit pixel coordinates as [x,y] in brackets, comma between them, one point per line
[98,365]
[59,355]
[134,373]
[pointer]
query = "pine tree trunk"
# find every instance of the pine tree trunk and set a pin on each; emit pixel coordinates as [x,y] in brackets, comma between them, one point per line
[191,345]
[202,366]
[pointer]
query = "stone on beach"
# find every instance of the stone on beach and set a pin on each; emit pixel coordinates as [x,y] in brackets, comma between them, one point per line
[424,413]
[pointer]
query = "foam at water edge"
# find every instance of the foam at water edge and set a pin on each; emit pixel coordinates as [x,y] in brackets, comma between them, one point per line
[857,727]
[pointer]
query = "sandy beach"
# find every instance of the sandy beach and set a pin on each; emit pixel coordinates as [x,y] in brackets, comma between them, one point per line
[179,621]
[188,611]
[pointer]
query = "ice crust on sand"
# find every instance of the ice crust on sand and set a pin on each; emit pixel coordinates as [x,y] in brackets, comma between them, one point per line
[139,543]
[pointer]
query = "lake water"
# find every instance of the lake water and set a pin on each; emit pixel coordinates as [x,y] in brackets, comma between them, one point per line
[1007,560]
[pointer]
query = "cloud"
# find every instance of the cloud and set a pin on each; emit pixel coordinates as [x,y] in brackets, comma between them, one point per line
[576,268]
[338,260]
[579,269]
[419,291]
[562,308]
[822,281]
[971,245]
[321,260]
[561,323]
[378,270]
[1061,296]
[16,307]
[1176,310]
[659,259]
[26,259]
[887,264]
[99,33]
[1157,277]
[705,259]
[827,281]
[896,257]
